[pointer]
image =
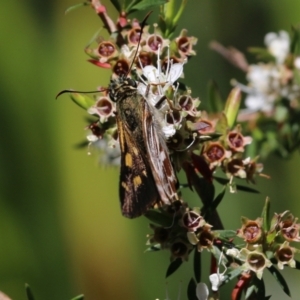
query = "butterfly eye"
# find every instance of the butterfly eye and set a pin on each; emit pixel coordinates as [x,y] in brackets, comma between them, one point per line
[112,95]
[131,82]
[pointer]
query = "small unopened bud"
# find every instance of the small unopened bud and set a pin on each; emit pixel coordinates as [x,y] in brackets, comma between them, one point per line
[232,106]
[82,100]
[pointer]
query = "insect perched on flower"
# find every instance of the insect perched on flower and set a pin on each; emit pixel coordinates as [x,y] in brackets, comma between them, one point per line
[147,176]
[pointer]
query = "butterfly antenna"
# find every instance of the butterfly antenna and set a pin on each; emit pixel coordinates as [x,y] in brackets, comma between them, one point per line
[143,24]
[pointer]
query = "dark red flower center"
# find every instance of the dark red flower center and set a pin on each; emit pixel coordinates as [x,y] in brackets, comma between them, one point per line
[106,49]
[184,44]
[235,140]
[121,67]
[215,152]
[154,42]
[134,35]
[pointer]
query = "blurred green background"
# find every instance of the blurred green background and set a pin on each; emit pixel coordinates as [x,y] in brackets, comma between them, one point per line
[61,229]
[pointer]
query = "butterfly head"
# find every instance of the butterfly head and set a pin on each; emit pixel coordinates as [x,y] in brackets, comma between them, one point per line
[121,88]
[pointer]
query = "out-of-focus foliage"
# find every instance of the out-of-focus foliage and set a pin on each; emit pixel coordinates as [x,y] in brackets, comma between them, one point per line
[61,228]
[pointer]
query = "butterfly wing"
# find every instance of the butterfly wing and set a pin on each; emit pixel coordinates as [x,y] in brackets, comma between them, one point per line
[138,190]
[158,155]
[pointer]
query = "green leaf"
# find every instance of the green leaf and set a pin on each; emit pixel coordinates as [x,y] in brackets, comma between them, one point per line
[225,234]
[191,291]
[177,16]
[174,265]
[93,39]
[247,189]
[215,101]
[143,5]
[294,48]
[280,280]
[218,255]
[79,297]
[297,266]
[204,189]
[266,215]
[197,265]
[238,186]
[232,274]
[29,293]
[73,7]
[271,237]
[218,199]
[81,145]
[250,290]
[262,54]
[210,213]
[117,5]
[256,286]
[158,217]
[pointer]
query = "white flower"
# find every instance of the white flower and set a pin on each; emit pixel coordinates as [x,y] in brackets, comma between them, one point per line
[263,89]
[263,77]
[109,148]
[258,102]
[92,138]
[156,77]
[162,81]
[129,54]
[278,45]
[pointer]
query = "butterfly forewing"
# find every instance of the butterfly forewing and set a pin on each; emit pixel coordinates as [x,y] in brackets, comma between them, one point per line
[147,175]
[159,159]
[138,190]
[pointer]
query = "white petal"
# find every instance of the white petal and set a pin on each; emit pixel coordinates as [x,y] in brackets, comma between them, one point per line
[255,102]
[169,130]
[175,72]
[142,88]
[93,110]
[216,280]
[92,138]
[202,291]
[297,62]
[151,73]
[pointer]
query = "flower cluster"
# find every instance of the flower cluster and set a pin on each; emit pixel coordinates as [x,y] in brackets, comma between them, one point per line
[157,63]
[272,94]
[200,143]
[180,230]
[266,244]
[192,135]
